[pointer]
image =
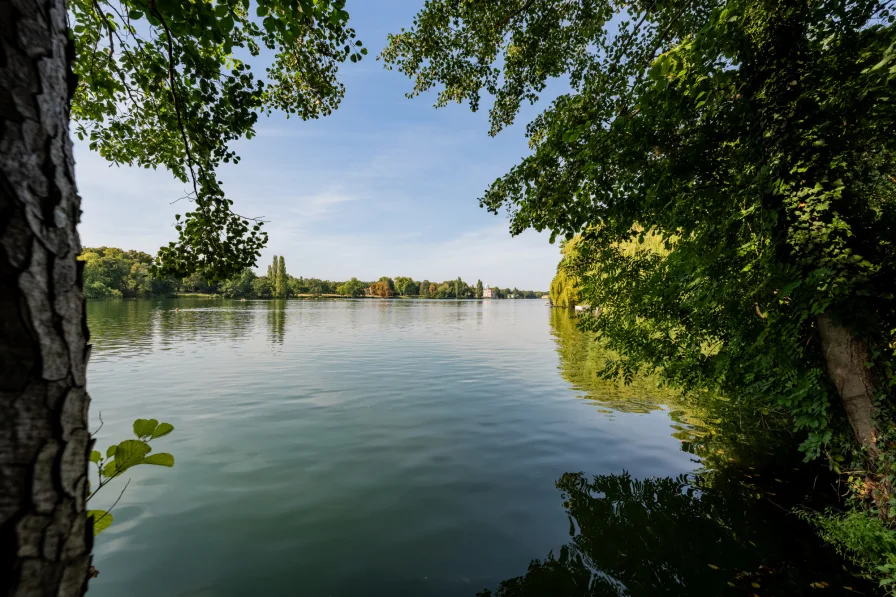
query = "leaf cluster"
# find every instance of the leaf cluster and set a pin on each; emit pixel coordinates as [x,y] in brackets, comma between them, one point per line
[124,456]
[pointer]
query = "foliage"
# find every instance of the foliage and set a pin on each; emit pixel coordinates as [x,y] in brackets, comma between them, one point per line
[113,273]
[479,289]
[565,290]
[866,541]
[405,286]
[262,288]
[168,83]
[754,138]
[353,288]
[121,457]
[384,288]
[240,286]
[278,277]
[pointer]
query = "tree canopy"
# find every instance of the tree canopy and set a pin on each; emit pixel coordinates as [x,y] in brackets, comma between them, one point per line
[754,138]
[113,273]
[169,83]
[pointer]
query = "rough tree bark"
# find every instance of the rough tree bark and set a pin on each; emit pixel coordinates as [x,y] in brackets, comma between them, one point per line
[845,356]
[45,539]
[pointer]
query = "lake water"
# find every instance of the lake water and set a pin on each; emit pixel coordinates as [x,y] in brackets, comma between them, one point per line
[345,448]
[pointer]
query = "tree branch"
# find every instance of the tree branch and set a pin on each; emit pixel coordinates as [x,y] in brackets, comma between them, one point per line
[176,103]
[115,503]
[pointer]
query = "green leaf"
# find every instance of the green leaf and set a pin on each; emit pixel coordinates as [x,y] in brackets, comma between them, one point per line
[261,11]
[135,14]
[145,427]
[790,288]
[161,459]
[130,452]
[110,469]
[95,456]
[221,10]
[101,520]
[110,452]
[162,430]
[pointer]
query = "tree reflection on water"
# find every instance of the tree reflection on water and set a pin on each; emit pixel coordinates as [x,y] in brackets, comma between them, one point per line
[725,530]
[677,536]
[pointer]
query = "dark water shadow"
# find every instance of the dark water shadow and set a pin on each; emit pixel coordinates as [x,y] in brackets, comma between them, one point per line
[679,536]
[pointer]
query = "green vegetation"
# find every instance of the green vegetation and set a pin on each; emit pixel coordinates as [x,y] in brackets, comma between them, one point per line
[755,142]
[117,459]
[353,288]
[113,273]
[565,291]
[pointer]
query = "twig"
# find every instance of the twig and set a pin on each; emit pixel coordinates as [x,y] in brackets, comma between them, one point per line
[100,427]
[514,13]
[105,512]
[105,21]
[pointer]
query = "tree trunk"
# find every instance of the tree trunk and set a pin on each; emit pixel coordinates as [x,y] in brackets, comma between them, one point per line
[45,538]
[845,356]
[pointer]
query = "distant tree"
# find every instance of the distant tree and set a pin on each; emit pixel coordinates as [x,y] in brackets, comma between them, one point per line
[282,280]
[445,290]
[262,288]
[240,286]
[459,288]
[383,289]
[389,282]
[315,286]
[479,289]
[197,283]
[278,277]
[405,286]
[110,272]
[433,290]
[353,288]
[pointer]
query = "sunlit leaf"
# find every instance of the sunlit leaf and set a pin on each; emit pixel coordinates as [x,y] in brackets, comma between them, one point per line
[145,427]
[101,520]
[160,459]
[162,430]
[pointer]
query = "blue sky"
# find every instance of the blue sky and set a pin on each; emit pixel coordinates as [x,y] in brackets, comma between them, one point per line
[386,186]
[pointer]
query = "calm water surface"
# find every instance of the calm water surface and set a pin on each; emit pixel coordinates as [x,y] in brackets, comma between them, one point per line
[349,448]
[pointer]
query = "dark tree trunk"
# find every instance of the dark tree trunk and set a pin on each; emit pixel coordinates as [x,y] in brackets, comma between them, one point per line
[845,356]
[45,538]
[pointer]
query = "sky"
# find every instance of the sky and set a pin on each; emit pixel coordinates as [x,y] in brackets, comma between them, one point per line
[385,186]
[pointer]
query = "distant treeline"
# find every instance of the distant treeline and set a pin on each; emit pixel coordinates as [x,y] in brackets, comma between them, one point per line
[111,273]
